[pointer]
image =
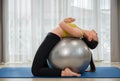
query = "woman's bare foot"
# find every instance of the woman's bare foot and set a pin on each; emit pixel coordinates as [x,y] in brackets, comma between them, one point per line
[68,72]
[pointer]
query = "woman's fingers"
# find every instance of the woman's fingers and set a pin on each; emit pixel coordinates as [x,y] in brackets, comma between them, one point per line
[69,20]
[89,36]
[94,35]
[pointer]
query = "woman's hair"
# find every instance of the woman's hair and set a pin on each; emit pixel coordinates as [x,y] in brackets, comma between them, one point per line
[92,65]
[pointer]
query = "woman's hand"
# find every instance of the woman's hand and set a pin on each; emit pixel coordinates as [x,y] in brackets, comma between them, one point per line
[94,35]
[69,20]
[68,72]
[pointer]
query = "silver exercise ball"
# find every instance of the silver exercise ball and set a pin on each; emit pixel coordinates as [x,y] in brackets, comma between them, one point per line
[72,53]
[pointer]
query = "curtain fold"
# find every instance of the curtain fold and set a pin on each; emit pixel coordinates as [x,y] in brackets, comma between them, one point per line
[28,22]
[1,27]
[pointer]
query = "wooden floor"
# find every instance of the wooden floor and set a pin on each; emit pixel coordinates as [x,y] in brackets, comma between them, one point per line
[60,79]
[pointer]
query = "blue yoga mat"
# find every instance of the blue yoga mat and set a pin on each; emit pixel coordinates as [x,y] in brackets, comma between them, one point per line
[22,72]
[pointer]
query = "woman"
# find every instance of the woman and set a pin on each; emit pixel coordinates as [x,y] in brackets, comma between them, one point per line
[40,66]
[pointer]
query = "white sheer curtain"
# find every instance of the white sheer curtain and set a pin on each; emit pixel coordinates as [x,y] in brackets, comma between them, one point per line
[28,22]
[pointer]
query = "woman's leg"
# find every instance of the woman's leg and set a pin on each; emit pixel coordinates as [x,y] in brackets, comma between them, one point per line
[39,66]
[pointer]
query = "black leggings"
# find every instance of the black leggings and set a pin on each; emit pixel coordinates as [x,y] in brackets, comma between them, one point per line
[40,66]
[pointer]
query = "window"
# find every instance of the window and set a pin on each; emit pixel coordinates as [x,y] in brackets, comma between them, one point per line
[28,22]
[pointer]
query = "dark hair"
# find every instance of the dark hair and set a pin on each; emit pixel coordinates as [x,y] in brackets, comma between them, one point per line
[92,66]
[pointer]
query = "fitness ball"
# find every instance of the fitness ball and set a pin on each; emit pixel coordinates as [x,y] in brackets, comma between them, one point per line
[72,53]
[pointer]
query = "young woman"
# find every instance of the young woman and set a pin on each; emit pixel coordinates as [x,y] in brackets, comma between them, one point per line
[40,66]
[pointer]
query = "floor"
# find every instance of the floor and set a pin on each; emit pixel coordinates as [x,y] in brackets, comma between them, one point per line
[115,64]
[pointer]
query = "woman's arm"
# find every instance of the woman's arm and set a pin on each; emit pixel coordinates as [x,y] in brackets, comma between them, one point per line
[75,32]
[89,36]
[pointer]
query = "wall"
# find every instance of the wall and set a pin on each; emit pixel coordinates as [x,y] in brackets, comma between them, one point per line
[119,26]
[115,36]
[0,30]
